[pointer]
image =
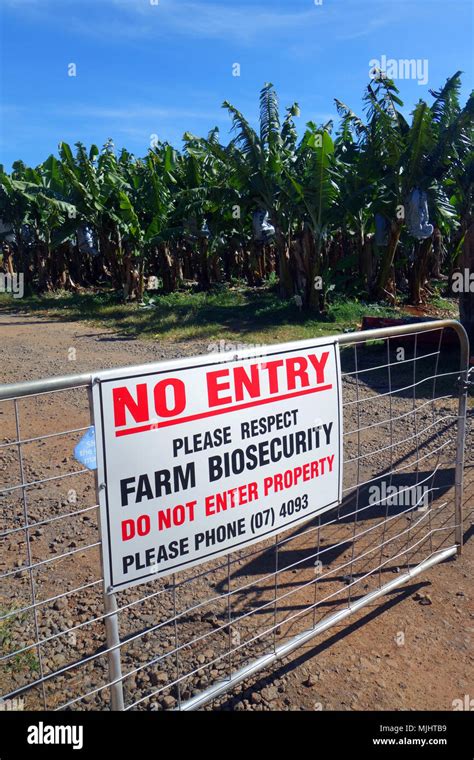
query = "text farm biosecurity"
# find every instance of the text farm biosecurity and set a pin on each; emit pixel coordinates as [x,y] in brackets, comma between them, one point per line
[199,457]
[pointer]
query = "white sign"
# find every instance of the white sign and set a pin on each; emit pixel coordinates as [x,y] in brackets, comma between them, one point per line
[201,456]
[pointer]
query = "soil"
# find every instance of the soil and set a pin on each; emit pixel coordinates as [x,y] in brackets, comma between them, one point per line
[408,650]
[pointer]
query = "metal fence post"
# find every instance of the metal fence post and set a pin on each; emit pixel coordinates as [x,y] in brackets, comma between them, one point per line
[112,632]
[113,655]
[461,438]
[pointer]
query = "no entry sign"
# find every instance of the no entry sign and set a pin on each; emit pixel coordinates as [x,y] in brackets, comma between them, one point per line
[199,457]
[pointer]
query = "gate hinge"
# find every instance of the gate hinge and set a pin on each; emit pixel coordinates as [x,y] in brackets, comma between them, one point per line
[464,385]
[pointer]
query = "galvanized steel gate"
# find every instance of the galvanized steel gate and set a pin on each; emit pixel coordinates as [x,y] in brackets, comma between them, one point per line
[183,642]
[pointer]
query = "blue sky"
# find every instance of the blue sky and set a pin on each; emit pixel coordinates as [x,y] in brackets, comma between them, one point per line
[146,67]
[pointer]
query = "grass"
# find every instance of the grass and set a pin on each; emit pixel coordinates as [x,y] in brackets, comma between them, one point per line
[237,314]
[439,301]
[23,661]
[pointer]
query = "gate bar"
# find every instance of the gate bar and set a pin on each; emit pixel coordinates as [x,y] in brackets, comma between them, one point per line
[61,383]
[301,638]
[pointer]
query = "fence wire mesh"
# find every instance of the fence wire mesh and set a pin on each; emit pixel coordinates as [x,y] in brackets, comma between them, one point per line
[186,640]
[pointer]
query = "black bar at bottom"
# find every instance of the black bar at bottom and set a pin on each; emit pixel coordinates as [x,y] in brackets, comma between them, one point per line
[148,735]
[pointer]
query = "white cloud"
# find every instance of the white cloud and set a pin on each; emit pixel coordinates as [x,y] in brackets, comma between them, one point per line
[370,26]
[242,22]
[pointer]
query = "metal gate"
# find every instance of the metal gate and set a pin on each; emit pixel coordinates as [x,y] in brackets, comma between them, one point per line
[185,641]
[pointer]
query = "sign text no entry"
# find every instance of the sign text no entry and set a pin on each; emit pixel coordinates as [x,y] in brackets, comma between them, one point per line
[202,456]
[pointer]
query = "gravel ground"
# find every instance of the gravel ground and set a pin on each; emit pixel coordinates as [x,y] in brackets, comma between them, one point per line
[411,649]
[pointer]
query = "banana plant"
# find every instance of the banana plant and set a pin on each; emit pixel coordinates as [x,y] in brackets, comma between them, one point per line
[314,187]
[261,162]
[187,214]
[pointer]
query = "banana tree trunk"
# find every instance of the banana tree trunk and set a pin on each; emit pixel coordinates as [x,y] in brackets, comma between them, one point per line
[253,271]
[8,266]
[366,261]
[268,260]
[214,267]
[127,284]
[188,273]
[419,270]
[60,278]
[283,250]
[112,254]
[437,258]
[466,298]
[167,269]
[380,289]
[22,259]
[43,260]
[203,275]
[141,279]
[313,295]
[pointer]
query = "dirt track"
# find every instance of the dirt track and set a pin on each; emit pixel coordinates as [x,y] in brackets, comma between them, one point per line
[359,665]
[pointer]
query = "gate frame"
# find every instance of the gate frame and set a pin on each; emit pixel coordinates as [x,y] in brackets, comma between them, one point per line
[13,391]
